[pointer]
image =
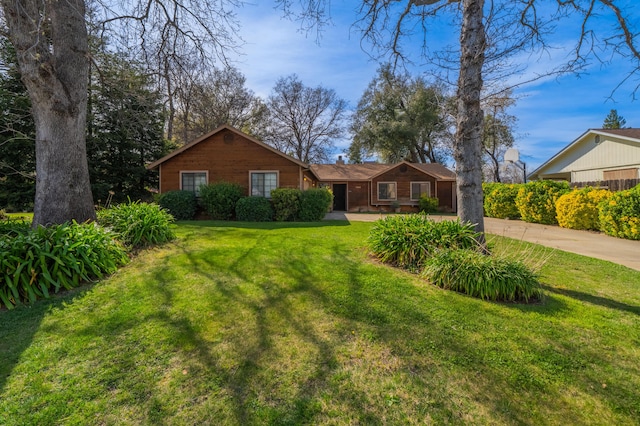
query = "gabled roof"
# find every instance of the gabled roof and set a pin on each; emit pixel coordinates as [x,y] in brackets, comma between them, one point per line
[631,135]
[219,129]
[363,172]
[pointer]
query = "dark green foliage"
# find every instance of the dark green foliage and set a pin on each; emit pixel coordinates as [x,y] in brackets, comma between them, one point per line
[314,204]
[219,199]
[428,204]
[138,224]
[286,203]
[125,129]
[17,137]
[500,202]
[408,241]
[620,214]
[34,262]
[486,277]
[254,209]
[536,201]
[180,204]
[11,227]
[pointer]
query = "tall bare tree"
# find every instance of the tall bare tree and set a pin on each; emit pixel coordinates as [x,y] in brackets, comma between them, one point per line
[304,121]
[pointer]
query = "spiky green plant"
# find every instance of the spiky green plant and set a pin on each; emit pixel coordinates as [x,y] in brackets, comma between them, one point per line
[138,224]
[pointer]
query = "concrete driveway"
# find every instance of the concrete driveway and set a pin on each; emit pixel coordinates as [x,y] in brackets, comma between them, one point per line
[587,243]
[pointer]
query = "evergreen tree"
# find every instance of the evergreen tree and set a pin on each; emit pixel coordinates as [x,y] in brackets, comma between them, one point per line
[17,135]
[614,121]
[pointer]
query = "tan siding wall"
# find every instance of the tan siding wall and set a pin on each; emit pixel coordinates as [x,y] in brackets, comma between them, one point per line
[228,160]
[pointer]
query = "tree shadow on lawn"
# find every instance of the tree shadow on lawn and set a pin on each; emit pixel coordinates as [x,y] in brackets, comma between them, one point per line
[19,326]
[594,300]
[262,225]
[440,341]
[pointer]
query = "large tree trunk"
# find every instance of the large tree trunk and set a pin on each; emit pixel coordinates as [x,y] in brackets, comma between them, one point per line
[468,144]
[50,38]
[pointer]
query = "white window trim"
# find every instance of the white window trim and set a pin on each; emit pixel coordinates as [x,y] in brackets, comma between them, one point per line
[206,173]
[387,199]
[277,172]
[420,182]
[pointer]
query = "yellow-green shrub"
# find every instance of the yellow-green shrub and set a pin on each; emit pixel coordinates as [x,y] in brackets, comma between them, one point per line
[579,209]
[620,214]
[536,201]
[501,201]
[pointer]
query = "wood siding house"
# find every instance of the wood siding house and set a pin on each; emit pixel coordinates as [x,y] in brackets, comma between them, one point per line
[598,155]
[384,187]
[227,154]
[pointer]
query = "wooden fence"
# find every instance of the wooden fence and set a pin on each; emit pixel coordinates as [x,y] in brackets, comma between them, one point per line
[612,185]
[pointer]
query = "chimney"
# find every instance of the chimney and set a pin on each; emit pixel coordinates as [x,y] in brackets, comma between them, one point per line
[339,160]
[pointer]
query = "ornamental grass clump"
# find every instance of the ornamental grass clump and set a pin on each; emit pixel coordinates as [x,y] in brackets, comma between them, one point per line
[407,241]
[578,209]
[138,224]
[486,277]
[44,260]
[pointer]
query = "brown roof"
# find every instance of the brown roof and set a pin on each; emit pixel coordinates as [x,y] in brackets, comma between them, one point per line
[219,129]
[630,133]
[362,172]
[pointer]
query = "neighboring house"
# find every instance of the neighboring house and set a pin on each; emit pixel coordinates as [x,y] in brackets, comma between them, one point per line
[598,155]
[227,154]
[375,187]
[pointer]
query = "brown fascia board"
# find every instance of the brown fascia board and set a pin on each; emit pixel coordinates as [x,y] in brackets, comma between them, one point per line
[182,149]
[438,178]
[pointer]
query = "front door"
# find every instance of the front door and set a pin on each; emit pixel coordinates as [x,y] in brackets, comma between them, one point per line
[339,197]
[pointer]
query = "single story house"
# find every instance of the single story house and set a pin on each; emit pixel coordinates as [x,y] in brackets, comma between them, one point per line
[227,154]
[375,187]
[598,155]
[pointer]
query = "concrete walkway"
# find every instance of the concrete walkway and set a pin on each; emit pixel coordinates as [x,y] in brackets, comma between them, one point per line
[587,243]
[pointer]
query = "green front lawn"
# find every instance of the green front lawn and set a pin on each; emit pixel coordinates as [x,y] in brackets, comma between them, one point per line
[294,324]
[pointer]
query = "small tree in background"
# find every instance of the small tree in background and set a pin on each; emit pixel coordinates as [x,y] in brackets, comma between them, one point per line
[614,121]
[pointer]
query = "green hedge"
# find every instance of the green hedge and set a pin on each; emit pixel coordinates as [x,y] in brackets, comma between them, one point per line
[254,209]
[314,204]
[620,214]
[579,209]
[35,263]
[180,204]
[500,201]
[219,199]
[138,224]
[536,201]
[286,203]
[428,204]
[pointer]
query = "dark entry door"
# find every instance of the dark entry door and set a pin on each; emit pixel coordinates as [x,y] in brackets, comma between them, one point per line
[339,196]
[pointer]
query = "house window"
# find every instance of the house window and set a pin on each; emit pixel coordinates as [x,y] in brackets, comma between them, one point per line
[418,189]
[262,183]
[387,191]
[192,181]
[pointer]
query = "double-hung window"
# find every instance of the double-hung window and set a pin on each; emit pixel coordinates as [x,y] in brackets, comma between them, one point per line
[418,189]
[262,183]
[192,181]
[387,191]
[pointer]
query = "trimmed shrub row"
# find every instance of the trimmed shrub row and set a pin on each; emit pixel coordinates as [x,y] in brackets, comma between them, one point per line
[616,214]
[447,254]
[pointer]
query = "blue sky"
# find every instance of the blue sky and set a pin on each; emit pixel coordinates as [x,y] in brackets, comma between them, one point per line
[551,112]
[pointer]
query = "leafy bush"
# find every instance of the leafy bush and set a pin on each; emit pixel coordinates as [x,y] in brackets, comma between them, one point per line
[37,261]
[486,277]
[314,204]
[254,209]
[501,201]
[487,188]
[286,203]
[428,204]
[536,201]
[181,204]
[11,227]
[578,209]
[138,224]
[219,199]
[408,241]
[620,214]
